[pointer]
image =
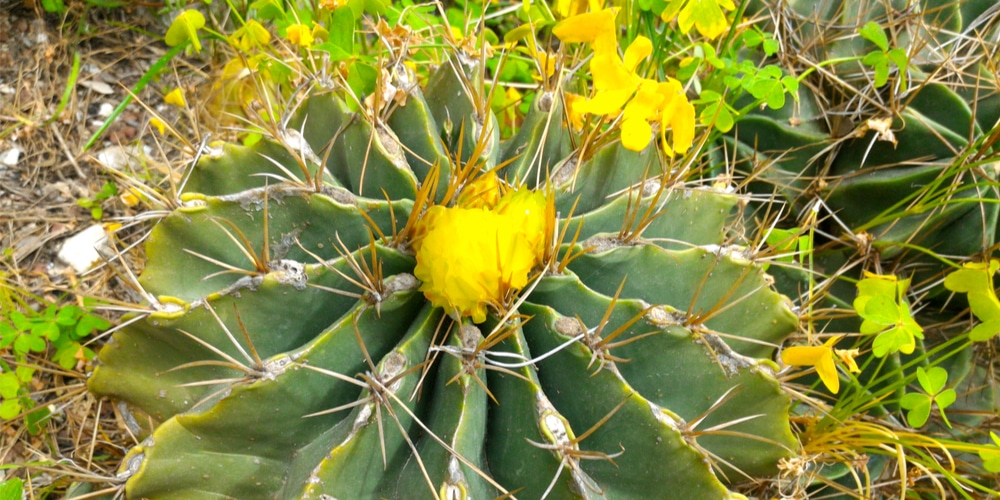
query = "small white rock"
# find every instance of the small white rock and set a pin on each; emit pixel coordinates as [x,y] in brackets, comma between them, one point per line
[9,158]
[120,157]
[80,250]
[97,86]
[105,110]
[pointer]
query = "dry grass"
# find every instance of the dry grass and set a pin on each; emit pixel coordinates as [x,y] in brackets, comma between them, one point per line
[84,439]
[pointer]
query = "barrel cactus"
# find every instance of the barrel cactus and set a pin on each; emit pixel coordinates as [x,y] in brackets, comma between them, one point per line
[390,301]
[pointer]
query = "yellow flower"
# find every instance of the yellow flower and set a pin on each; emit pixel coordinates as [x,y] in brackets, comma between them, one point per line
[158,125]
[587,28]
[821,357]
[677,114]
[469,258]
[481,192]
[176,98]
[524,212]
[573,102]
[299,34]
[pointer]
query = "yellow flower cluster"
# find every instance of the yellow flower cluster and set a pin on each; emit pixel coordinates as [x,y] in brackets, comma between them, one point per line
[470,255]
[300,34]
[618,85]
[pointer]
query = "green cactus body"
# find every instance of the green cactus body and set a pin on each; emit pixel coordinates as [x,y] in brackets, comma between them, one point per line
[642,370]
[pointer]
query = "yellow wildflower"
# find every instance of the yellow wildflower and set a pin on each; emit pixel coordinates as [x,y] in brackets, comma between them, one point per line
[677,114]
[821,357]
[589,28]
[176,98]
[469,258]
[299,34]
[573,102]
[158,125]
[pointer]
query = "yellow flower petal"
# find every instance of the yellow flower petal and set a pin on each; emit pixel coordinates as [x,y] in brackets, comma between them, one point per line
[847,357]
[524,212]
[636,134]
[158,125]
[573,102]
[802,355]
[299,34]
[678,115]
[481,192]
[819,356]
[469,258]
[639,49]
[606,102]
[610,74]
[176,98]
[585,28]
[827,371]
[646,103]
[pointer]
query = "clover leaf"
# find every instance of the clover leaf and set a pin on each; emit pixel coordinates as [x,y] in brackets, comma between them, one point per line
[976,280]
[932,381]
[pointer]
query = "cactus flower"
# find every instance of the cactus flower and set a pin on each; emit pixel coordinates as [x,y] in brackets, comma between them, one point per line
[470,257]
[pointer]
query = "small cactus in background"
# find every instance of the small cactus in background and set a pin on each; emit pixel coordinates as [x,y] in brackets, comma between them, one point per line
[389,301]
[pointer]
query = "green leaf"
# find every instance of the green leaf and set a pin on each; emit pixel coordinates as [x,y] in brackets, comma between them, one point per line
[985,331]
[881,310]
[89,323]
[342,31]
[68,315]
[24,373]
[34,419]
[184,28]
[893,340]
[9,385]
[54,6]
[9,409]
[66,355]
[933,379]
[874,33]
[791,85]
[771,46]
[991,457]
[717,113]
[899,58]
[268,9]
[880,63]
[27,343]
[919,406]
[20,322]
[47,330]
[753,37]
[12,489]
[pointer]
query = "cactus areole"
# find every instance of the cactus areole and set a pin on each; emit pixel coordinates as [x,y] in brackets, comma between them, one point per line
[404,306]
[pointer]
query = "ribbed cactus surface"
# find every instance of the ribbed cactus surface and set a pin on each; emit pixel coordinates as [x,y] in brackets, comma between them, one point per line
[293,354]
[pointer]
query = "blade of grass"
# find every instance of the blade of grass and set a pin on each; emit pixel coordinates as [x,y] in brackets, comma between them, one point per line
[141,84]
[70,85]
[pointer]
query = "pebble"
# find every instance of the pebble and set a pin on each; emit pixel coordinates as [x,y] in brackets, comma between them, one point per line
[80,250]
